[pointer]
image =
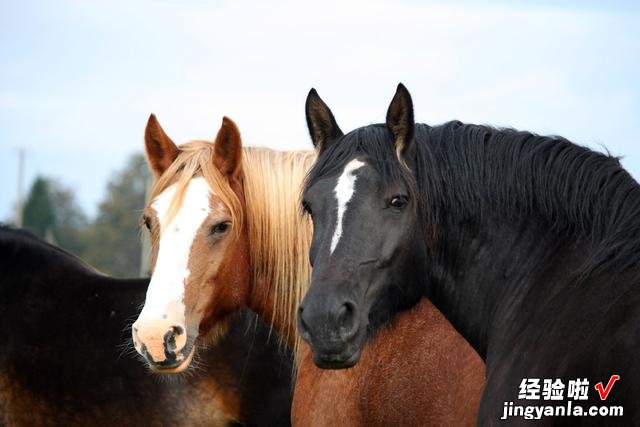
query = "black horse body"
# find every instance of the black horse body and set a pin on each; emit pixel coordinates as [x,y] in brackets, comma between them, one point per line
[62,360]
[535,261]
[532,251]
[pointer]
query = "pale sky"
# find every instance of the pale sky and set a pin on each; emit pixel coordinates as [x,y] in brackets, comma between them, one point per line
[78,79]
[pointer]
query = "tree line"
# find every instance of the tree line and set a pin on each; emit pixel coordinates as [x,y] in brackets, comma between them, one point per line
[111,241]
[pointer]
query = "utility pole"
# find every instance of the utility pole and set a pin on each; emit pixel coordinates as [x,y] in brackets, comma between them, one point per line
[20,201]
[145,246]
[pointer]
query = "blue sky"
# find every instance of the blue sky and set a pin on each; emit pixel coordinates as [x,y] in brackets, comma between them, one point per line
[79,79]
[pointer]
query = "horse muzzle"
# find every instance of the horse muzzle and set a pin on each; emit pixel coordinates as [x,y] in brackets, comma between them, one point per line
[165,346]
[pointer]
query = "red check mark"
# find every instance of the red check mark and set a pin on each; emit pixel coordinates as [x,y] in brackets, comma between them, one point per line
[604,392]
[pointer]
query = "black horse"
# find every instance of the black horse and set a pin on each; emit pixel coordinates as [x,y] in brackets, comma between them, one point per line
[529,245]
[62,360]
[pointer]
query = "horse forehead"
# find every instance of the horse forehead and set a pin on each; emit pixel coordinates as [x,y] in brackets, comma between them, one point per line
[199,199]
[343,193]
[354,167]
[344,185]
[325,186]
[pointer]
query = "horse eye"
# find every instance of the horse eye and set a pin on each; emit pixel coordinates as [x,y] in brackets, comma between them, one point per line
[398,202]
[220,228]
[147,222]
[307,207]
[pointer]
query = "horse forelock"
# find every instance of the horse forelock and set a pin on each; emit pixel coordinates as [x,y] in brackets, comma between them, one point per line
[375,145]
[195,159]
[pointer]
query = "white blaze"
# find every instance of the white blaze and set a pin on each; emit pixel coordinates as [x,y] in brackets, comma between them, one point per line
[344,190]
[166,289]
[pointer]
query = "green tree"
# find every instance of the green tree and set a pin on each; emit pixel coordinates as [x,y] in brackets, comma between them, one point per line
[113,239]
[38,214]
[71,222]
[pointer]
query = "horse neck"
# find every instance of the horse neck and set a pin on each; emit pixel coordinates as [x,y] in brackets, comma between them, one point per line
[279,237]
[263,303]
[519,216]
[484,273]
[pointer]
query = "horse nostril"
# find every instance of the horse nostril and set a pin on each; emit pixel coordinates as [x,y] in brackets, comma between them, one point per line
[303,328]
[345,313]
[347,320]
[170,338]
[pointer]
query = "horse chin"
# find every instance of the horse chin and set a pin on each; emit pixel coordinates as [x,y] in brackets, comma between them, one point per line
[175,369]
[343,360]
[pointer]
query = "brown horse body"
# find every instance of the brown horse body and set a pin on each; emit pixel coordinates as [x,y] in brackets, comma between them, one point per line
[418,371]
[397,379]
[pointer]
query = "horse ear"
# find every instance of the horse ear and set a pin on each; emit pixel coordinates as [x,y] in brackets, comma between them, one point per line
[161,151]
[401,123]
[322,125]
[228,149]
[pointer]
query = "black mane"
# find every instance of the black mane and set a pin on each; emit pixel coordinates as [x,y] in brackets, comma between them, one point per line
[467,170]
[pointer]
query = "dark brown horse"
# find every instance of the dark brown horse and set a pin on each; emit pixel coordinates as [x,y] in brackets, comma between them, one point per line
[62,359]
[234,216]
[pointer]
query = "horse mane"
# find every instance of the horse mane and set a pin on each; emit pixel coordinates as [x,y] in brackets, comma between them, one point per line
[475,171]
[576,192]
[279,237]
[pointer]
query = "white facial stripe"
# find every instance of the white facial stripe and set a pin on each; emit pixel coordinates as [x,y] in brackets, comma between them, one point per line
[166,289]
[345,187]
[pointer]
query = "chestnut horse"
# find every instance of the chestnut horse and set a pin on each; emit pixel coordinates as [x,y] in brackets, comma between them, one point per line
[62,358]
[227,233]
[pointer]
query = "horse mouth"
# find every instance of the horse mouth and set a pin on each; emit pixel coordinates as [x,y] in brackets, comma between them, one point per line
[336,361]
[174,367]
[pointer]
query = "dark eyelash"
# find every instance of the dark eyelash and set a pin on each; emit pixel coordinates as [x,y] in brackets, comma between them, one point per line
[398,202]
[220,228]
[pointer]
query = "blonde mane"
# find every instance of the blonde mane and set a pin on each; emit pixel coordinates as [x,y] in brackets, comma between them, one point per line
[278,235]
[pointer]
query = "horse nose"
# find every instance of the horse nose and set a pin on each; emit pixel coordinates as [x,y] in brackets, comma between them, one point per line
[170,339]
[303,327]
[158,341]
[339,320]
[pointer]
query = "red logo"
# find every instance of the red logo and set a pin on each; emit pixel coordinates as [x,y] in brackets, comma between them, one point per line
[604,392]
